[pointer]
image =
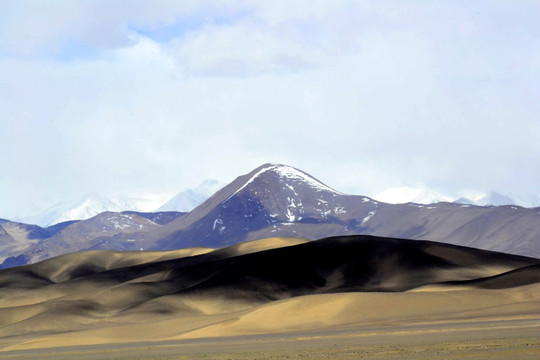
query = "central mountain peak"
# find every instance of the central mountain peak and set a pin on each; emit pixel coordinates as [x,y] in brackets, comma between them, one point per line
[273,198]
[268,176]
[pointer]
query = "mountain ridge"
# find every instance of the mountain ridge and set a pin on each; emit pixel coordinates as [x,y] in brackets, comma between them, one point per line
[278,200]
[186,200]
[93,204]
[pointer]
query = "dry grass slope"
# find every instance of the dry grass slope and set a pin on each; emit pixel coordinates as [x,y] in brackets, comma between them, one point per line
[268,286]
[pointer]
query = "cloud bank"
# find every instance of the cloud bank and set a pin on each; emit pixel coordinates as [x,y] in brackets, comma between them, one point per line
[109,96]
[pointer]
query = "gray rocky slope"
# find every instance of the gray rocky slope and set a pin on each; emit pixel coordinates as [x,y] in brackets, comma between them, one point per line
[279,200]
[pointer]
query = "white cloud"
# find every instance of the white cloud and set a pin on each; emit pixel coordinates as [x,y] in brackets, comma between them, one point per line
[242,50]
[98,96]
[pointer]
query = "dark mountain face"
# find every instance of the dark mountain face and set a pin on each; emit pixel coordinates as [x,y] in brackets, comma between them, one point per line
[273,200]
[278,200]
[22,243]
[161,217]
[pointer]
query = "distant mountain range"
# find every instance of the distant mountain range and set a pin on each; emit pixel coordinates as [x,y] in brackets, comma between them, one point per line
[185,201]
[405,194]
[191,198]
[94,204]
[277,200]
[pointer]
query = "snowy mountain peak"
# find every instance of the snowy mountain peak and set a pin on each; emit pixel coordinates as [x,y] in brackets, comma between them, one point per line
[496,199]
[189,199]
[84,208]
[405,194]
[286,174]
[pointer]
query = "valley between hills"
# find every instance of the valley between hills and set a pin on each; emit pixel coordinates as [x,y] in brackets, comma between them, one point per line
[275,265]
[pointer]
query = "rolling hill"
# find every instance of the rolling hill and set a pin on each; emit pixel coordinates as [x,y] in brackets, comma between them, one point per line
[265,286]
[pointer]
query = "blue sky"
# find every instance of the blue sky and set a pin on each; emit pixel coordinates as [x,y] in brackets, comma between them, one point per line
[116,96]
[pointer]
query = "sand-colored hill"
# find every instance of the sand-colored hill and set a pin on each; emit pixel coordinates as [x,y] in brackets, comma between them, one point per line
[271,286]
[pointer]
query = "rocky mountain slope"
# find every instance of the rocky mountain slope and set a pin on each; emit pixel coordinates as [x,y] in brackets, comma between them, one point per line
[21,243]
[279,200]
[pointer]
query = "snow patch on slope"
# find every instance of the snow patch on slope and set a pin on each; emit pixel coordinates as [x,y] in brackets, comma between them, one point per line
[368,217]
[121,222]
[257,174]
[294,174]
[290,173]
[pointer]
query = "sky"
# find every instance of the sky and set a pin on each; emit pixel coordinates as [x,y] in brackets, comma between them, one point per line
[116,97]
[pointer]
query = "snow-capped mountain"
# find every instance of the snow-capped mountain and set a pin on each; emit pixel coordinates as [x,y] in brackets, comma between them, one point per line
[94,204]
[527,201]
[185,201]
[140,201]
[81,209]
[191,198]
[495,199]
[278,200]
[272,200]
[405,194]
